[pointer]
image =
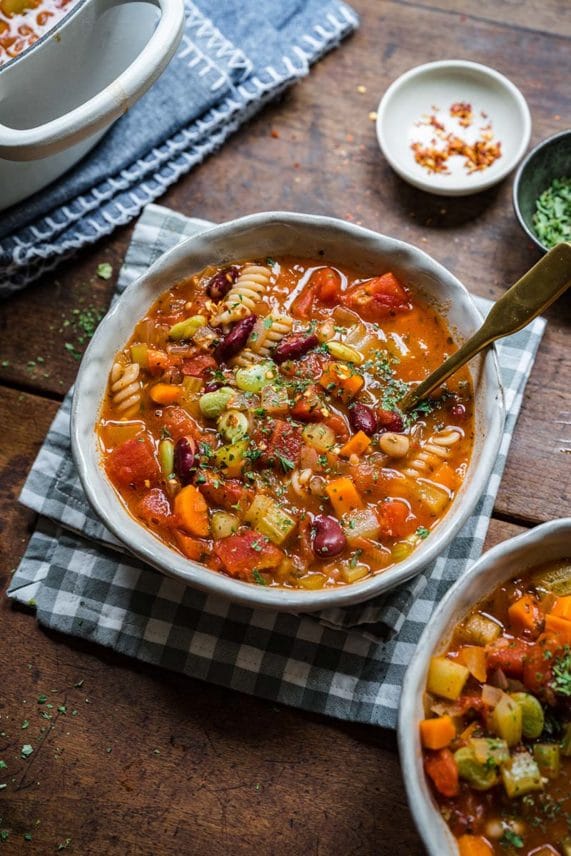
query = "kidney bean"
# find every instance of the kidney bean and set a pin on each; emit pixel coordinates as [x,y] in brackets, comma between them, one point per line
[212,386]
[184,459]
[328,538]
[389,420]
[294,346]
[221,283]
[458,411]
[234,341]
[363,418]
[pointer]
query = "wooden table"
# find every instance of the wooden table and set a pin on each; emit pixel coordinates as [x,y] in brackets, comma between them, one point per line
[155,763]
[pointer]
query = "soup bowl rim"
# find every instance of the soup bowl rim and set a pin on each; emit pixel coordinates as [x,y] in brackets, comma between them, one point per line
[90,388]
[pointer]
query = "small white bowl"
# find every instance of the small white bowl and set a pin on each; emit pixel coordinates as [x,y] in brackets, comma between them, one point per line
[548,542]
[275,234]
[441,84]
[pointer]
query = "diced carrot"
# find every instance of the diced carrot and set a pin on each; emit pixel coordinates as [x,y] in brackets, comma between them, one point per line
[525,614]
[447,477]
[441,767]
[438,732]
[192,547]
[474,845]
[165,393]
[358,444]
[341,380]
[560,627]
[343,496]
[191,510]
[157,361]
[562,607]
[476,661]
[395,518]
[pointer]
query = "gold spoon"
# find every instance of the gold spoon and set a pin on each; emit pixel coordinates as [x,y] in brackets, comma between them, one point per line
[524,301]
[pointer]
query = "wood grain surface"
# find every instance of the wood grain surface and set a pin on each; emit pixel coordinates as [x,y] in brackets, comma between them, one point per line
[146,762]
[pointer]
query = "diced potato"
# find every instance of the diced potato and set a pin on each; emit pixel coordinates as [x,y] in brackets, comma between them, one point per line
[548,759]
[446,678]
[312,581]
[223,524]
[489,750]
[507,720]
[432,497]
[350,574]
[319,436]
[521,775]
[480,630]
[361,523]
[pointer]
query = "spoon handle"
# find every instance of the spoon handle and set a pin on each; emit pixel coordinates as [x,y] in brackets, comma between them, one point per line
[524,301]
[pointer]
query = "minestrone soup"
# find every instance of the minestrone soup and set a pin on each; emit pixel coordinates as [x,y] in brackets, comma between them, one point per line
[23,22]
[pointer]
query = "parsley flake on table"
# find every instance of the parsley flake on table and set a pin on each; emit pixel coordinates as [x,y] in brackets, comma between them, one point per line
[26,750]
[105,270]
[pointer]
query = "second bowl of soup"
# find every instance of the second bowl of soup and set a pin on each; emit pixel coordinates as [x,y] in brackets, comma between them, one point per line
[245,433]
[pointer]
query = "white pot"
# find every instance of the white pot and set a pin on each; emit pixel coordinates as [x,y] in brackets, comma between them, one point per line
[60,95]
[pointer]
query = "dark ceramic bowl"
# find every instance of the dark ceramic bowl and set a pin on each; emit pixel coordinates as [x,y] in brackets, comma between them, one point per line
[548,160]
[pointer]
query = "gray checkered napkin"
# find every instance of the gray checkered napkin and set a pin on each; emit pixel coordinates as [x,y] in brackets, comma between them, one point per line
[347,663]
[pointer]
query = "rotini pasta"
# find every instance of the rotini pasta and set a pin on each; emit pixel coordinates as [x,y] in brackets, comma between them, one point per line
[243,296]
[267,333]
[125,388]
[432,453]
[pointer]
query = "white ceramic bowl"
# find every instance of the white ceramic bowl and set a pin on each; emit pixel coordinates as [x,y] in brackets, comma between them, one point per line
[60,95]
[551,541]
[272,234]
[441,84]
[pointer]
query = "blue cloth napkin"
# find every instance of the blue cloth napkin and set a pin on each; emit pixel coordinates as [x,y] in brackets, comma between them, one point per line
[235,55]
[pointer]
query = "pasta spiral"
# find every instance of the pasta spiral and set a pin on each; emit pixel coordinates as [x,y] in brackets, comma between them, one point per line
[125,387]
[432,453]
[243,296]
[265,336]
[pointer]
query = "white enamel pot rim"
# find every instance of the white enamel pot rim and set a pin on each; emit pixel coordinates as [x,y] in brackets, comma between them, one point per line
[274,233]
[102,109]
[550,541]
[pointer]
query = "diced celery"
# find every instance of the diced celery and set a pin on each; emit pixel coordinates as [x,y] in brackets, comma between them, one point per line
[166,457]
[312,581]
[233,425]
[275,400]
[231,459]
[361,523]
[480,630]
[192,385]
[319,436]
[140,354]
[479,776]
[213,403]
[446,678]
[352,573]
[267,517]
[521,775]
[556,578]
[432,497]
[255,378]
[548,758]
[187,328]
[223,524]
[507,720]
[566,742]
[489,750]
[532,716]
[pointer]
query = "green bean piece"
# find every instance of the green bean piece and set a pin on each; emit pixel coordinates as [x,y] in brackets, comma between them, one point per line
[166,457]
[532,716]
[212,404]
[548,759]
[481,777]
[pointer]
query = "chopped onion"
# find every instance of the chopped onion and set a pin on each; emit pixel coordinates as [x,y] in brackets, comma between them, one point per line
[491,695]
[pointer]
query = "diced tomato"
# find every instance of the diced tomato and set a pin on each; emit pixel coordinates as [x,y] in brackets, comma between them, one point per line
[284,445]
[229,494]
[327,283]
[442,769]
[389,420]
[309,407]
[378,297]
[245,552]
[193,548]
[199,366]
[396,519]
[473,703]
[508,655]
[177,421]
[302,306]
[154,508]
[304,539]
[538,663]
[133,462]
[310,366]
[157,361]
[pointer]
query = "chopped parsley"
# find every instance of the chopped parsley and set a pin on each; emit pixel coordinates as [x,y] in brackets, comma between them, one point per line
[258,578]
[286,463]
[423,532]
[562,673]
[511,839]
[353,561]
